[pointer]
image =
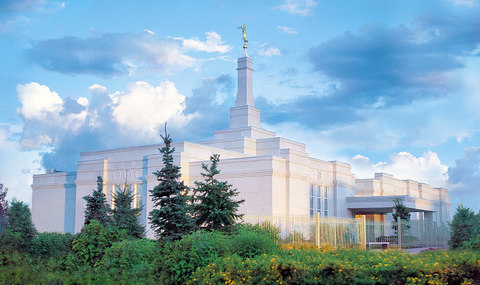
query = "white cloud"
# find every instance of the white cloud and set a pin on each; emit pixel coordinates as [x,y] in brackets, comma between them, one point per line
[298,7]
[213,43]
[287,30]
[403,165]
[268,51]
[97,88]
[148,31]
[463,2]
[144,108]
[37,101]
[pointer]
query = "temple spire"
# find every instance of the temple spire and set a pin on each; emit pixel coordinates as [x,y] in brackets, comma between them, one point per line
[244,114]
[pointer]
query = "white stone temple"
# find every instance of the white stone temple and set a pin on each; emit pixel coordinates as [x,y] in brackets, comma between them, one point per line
[276,176]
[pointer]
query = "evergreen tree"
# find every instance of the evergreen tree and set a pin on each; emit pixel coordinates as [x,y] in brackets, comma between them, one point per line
[97,207]
[171,217]
[124,216]
[400,211]
[3,201]
[214,204]
[464,226]
[20,231]
[3,207]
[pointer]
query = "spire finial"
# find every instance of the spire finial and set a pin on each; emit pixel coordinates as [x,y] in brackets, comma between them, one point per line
[244,32]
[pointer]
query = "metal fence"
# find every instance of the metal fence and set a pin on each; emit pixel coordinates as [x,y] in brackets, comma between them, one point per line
[315,231]
[353,233]
[414,233]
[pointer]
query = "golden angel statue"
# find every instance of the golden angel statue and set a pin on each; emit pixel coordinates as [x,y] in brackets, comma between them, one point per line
[244,32]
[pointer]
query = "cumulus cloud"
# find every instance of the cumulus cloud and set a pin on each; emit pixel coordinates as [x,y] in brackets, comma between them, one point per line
[268,51]
[37,101]
[464,178]
[403,165]
[298,7]
[213,43]
[287,30]
[110,54]
[68,126]
[144,108]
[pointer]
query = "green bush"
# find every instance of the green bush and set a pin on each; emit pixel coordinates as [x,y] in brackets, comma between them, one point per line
[249,242]
[179,259]
[90,245]
[472,244]
[129,259]
[343,267]
[46,245]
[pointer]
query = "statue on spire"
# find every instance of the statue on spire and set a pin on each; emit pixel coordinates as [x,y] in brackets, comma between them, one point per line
[244,32]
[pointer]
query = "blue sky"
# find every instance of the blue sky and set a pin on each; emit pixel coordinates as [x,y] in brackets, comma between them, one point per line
[388,86]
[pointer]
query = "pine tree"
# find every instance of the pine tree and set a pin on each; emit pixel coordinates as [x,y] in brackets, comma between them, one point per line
[464,226]
[214,203]
[171,217]
[124,216]
[97,207]
[400,211]
[20,231]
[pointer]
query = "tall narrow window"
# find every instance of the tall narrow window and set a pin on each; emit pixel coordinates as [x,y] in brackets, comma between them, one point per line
[311,200]
[325,200]
[137,195]
[319,200]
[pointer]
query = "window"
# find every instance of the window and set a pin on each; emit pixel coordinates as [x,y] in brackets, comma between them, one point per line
[325,201]
[319,199]
[311,200]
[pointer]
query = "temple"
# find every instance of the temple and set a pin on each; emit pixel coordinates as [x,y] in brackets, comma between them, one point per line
[276,176]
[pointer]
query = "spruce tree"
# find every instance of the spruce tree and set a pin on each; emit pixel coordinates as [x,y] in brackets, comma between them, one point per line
[124,216]
[214,204]
[464,226]
[3,207]
[97,207]
[20,231]
[171,217]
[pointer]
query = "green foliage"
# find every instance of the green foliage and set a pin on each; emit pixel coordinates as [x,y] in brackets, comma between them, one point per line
[400,211]
[214,204]
[47,245]
[249,242]
[20,231]
[179,259]
[129,259]
[3,202]
[343,267]
[97,207]
[171,217]
[124,216]
[90,245]
[472,244]
[464,226]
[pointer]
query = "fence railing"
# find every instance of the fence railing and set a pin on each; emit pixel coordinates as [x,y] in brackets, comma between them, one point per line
[353,232]
[414,233]
[317,231]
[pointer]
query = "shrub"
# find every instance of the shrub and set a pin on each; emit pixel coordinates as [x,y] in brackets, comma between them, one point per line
[90,245]
[129,259]
[249,241]
[20,231]
[46,245]
[177,260]
[464,226]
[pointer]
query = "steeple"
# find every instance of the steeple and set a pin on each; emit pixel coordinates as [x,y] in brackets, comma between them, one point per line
[244,114]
